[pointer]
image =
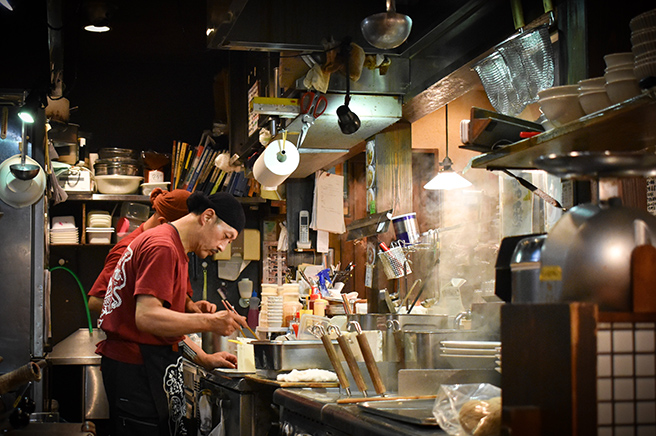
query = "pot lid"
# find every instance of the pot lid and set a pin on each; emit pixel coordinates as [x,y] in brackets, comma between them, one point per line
[20,193]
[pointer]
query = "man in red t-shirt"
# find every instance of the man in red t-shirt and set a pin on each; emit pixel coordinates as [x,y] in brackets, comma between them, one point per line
[168,206]
[144,316]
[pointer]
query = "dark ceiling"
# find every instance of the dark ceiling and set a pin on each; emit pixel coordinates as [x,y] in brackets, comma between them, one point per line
[150,80]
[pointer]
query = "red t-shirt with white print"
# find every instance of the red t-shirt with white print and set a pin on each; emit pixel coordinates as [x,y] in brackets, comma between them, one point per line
[156,264]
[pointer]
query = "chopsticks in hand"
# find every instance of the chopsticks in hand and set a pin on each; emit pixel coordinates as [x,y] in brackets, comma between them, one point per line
[230,308]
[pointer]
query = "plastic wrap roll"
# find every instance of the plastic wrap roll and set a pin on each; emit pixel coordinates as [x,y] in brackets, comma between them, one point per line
[278,161]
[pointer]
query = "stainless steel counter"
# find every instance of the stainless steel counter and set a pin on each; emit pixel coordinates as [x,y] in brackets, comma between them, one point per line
[77,349]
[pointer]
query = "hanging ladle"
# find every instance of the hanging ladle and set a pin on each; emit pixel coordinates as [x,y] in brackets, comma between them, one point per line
[387,29]
[23,171]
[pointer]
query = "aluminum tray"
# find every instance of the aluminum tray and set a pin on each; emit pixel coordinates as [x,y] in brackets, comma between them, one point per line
[414,411]
[288,355]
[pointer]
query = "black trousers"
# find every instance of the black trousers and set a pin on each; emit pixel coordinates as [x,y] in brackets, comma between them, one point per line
[148,399]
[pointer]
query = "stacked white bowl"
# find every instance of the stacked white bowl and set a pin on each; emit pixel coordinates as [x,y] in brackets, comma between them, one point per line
[271,312]
[63,230]
[560,104]
[621,82]
[592,94]
[643,44]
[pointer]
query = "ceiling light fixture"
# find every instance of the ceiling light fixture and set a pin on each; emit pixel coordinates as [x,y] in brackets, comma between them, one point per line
[446,177]
[98,15]
[29,109]
[6,4]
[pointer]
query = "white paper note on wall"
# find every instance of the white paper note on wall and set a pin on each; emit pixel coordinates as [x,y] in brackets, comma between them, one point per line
[328,206]
[322,241]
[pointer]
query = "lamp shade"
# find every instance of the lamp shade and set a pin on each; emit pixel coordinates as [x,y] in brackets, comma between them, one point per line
[447,179]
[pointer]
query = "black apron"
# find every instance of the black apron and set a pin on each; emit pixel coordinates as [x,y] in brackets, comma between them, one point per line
[164,371]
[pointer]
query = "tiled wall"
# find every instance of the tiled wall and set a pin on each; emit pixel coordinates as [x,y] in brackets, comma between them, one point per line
[626,379]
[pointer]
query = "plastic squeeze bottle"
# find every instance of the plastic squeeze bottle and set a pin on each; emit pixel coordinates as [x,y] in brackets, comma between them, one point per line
[253,310]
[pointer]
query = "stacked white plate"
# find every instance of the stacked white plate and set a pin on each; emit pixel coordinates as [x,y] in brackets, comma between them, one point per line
[99,218]
[63,231]
[470,354]
[643,44]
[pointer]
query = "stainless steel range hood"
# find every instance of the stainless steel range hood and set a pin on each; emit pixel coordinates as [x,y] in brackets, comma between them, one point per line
[325,143]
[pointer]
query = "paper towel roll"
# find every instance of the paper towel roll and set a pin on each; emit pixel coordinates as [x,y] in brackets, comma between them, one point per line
[276,163]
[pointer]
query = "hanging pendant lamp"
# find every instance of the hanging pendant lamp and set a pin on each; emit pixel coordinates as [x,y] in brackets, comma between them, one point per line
[447,177]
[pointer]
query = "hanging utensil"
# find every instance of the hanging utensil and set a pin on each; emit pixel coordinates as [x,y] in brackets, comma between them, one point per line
[318,331]
[23,171]
[397,334]
[388,29]
[520,66]
[348,121]
[369,360]
[535,190]
[350,358]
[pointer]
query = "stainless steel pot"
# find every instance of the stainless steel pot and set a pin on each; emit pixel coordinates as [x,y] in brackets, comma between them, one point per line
[119,165]
[391,323]
[113,152]
[422,347]
[587,255]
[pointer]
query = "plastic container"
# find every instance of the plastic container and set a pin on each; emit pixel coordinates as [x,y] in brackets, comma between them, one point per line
[320,307]
[135,211]
[289,311]
[253,315]
[99,235]
[307,322]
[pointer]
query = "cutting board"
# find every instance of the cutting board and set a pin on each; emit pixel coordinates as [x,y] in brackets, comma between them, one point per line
[282,384]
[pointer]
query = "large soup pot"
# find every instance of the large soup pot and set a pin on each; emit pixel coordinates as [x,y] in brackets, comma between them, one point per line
[422,347]
[394,324]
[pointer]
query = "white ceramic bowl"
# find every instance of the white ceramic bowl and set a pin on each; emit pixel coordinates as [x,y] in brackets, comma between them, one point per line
[619,74]
[561,109]
[594,101]
[645,69]
[646,57]
[645,20]
[644,48]
[594,83]
[622,90]
[147,188]
[559,90]
[644,35]
[117,184]
[615,59]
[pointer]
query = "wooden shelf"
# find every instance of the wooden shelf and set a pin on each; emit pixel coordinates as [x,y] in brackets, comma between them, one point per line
[626,126]
[108,197]
[142,198]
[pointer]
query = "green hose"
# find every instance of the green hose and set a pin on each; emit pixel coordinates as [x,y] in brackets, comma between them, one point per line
[84,295]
